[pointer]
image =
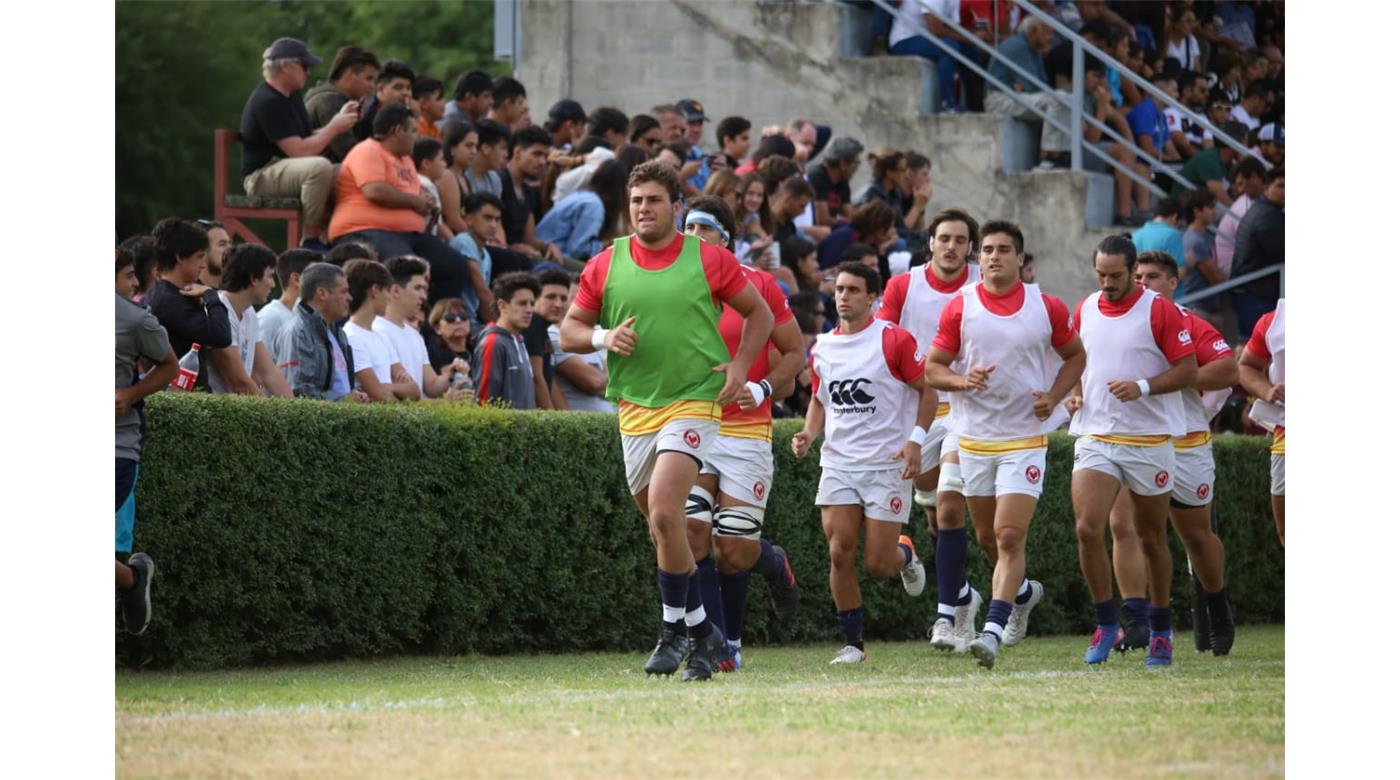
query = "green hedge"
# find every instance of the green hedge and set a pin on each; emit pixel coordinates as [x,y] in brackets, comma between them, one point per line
[301,530]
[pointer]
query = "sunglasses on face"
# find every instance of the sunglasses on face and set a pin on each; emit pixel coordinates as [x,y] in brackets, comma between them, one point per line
[454,317]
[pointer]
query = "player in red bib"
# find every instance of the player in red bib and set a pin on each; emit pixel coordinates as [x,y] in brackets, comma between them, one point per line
[1140,356]
[1261,373]
[1005,334]
[915,300]
[866,384]
[739,464]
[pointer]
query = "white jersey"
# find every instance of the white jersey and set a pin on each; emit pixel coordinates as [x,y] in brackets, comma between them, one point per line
[244,327]
[869,410]
[1019,346]
[1267,414]
[407,348]
[1123,348]
[923,305]
[1201,407]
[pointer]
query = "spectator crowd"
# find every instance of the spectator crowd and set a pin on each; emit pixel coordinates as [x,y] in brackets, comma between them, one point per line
[444,229]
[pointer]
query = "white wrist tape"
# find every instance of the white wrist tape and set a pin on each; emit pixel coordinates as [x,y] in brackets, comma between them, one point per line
[1144,387]
[918,435]
[598,337]
[757,391]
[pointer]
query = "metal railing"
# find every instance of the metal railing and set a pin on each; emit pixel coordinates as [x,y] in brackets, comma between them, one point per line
[1074,100]
[1233,282]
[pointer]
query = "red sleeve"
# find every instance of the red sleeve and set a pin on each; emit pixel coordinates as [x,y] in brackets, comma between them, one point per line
[1170,331]
[1258,346]
[1210,345]
[892,305]
[591,281]
[1078,316]
[902,354]
[816,380]
[722,271]
[772,294]
[949,336]
[488,355]
[1061,331]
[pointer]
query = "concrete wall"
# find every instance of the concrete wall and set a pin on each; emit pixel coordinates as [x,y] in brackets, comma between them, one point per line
[771,62]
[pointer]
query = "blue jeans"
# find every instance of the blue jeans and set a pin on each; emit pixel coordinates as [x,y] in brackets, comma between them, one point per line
[947,66]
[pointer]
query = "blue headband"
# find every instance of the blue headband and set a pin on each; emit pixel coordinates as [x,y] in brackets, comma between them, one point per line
[706,218]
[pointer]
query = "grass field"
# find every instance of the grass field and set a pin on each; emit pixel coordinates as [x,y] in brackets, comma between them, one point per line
[906,711]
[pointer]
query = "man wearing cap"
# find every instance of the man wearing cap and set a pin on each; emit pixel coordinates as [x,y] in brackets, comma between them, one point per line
[281,154]
[1209,168]
[1269,144]
[694,114]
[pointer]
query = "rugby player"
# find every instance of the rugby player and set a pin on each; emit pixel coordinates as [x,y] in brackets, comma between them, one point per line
[739,466]
[1140,355]
[657,294]
[1261,373]
[1004,332]
[866,386]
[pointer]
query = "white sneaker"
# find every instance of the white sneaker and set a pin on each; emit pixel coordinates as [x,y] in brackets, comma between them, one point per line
[913,571]
[984,648]
[850,654]
[965,621]
[1021,615]
[941,637]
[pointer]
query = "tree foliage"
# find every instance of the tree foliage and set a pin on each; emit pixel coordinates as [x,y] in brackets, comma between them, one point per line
[186,68]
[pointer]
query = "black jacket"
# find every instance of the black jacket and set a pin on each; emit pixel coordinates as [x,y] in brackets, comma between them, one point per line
[203,321]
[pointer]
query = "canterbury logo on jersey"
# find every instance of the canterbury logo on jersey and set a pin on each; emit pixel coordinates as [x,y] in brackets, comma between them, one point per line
[847,395]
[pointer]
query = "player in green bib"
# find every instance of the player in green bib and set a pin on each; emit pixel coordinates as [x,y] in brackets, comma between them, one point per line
[657,295]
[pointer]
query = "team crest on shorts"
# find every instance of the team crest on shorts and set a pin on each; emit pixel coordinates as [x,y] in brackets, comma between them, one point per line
[691,438]
[758,490]
[896,504]
[1032,474]
[1162,478]
[1203,490]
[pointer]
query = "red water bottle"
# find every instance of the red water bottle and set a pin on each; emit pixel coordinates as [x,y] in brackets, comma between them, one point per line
[189,370]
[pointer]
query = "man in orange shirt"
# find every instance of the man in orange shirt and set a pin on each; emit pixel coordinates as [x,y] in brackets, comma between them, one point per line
[380,202]
[427,97]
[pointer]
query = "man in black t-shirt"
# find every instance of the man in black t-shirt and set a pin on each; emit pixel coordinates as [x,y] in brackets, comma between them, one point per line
[831,180]
[550,306]
[281,154]
[520,196]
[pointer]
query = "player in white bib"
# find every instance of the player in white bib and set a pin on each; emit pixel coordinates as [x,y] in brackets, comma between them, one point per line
[1261,373]
[1140,356]
[915,300]
[867,380]
[1193,477]
[1004,332]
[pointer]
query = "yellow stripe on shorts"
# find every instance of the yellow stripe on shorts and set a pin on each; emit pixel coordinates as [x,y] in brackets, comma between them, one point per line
[1276,447]
[634,420]
[1132,441]
[1191,440]
[943,410]
[983,447]
[756,431]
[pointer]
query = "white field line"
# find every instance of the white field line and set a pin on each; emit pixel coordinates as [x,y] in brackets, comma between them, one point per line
[575,696]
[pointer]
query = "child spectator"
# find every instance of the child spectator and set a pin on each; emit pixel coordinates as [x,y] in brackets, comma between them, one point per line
[502,366]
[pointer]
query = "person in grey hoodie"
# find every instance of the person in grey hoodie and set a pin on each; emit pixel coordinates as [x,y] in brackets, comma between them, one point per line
[502,369]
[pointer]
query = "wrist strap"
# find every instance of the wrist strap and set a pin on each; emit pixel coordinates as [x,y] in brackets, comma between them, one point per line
[598,338]
[918,434]
[1144,387]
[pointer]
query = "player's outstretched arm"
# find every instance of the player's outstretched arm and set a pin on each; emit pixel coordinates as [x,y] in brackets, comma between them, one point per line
[787,337]
[576,330]
[940,376]
[1066,379]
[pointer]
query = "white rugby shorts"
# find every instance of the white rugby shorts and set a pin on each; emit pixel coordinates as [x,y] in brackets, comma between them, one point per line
[1193,476]
[744,466]
[1147,471]
[883,493]
[688,436]
[1276,474]
[933,449]
[1019,471]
